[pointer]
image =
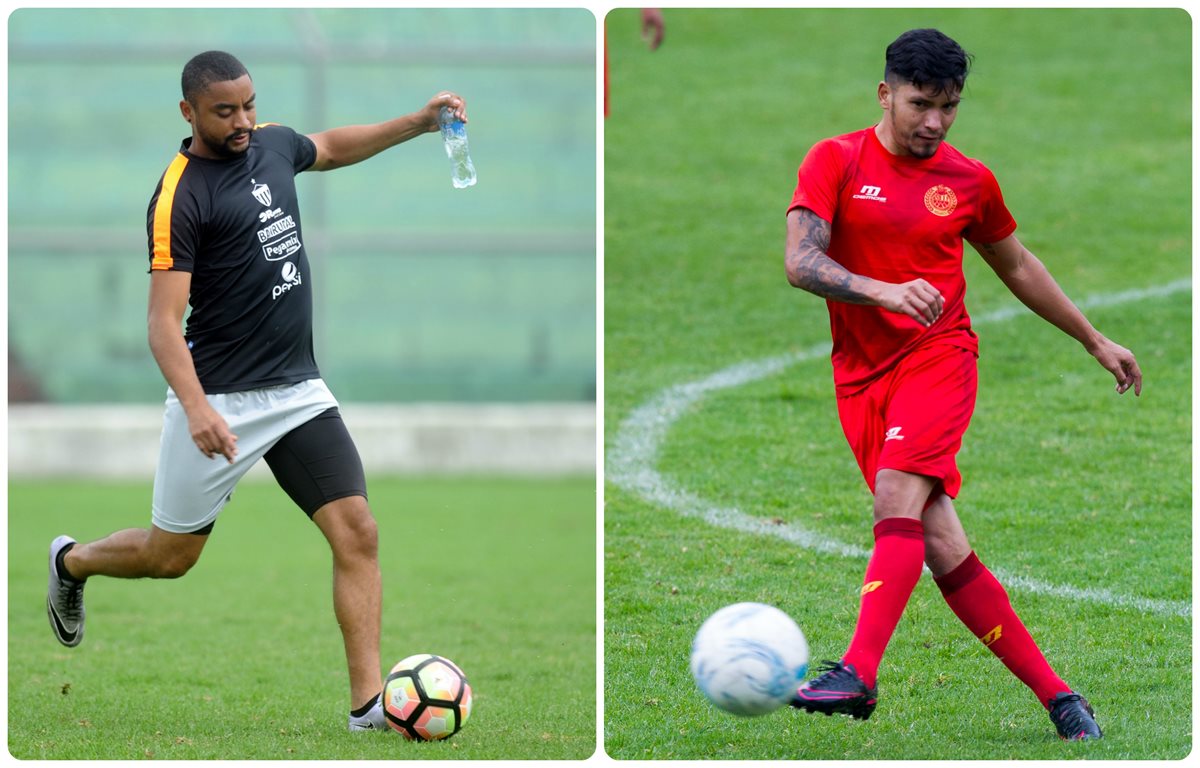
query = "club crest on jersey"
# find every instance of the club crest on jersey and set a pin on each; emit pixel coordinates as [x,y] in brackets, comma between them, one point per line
[262,193]
[941,200]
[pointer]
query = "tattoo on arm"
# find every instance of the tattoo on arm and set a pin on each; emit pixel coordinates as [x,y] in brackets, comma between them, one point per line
[809,266]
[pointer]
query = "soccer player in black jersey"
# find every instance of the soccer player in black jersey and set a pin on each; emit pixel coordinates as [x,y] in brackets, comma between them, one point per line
[224,237]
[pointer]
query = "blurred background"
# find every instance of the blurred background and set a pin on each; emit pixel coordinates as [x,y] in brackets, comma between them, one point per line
[480,300]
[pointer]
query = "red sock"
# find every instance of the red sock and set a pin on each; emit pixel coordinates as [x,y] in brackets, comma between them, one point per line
[982,604]
[893,571]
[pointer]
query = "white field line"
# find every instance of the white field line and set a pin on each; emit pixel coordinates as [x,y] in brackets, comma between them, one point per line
[631,461]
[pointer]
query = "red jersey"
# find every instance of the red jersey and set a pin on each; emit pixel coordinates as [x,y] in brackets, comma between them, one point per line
[897,218]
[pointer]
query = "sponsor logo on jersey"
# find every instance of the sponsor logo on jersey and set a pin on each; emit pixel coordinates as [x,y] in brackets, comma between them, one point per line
[941,200]
[278,239]
[281,247]
[869,192]
[893,433]
[291,279]
[276,228]
[268,215]
[262,193]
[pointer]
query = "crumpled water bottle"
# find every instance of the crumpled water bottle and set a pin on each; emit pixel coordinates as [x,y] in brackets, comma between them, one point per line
[454,137]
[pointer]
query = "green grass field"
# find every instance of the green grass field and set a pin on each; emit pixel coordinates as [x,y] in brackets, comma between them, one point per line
[727,476]
[242,658]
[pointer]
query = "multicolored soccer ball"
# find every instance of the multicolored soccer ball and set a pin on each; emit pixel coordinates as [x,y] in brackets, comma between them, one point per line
[426,698]
[749,658]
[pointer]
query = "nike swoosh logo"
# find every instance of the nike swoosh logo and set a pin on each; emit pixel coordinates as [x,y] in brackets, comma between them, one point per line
[827,695]
[63,633]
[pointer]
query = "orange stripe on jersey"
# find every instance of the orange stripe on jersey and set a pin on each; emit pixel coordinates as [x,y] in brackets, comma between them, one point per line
[162,214]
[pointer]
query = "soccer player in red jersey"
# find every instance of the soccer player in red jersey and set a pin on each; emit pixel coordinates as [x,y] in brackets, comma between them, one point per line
[876,227]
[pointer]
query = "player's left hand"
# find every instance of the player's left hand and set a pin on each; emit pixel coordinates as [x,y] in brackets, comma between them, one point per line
[1121,363]
[456,103]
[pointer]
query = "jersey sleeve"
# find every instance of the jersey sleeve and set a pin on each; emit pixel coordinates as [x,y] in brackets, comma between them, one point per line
[994,221]
[304,152]
[172,220]
[819,180]
[297,147]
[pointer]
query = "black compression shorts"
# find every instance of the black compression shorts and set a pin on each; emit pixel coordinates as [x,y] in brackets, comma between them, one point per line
[317,463]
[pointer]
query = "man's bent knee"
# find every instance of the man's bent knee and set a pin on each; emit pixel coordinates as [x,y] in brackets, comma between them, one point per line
[171,555]
[943,554]
[172,567]
[349,526]
[365,534]
[946,543]
[901,494]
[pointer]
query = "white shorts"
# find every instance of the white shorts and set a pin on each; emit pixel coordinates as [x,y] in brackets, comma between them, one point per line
[189,488]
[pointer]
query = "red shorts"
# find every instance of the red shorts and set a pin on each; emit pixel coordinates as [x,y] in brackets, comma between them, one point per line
[913,417]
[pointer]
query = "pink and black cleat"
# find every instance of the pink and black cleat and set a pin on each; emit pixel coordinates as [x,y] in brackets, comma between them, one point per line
[838,690]
[1073,717]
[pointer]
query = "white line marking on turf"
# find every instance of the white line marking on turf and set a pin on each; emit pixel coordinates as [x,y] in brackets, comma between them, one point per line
[631,461]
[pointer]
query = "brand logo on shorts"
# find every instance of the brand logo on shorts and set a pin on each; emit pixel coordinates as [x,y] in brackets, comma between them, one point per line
[869,192]
[262,193]
[941,200]
[893,433]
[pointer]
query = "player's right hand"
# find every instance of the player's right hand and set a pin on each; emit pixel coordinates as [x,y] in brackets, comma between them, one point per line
[211,434]
[916,298]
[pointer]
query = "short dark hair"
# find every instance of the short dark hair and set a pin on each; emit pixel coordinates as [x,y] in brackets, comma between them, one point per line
[206,68]
[926,57]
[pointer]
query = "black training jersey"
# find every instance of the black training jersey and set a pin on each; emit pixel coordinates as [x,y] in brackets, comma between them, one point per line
[235,225]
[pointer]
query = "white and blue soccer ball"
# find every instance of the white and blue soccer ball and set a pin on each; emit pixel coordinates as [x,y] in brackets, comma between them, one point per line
[749,658]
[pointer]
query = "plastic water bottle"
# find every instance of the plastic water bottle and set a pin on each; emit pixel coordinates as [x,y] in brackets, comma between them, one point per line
[454,136]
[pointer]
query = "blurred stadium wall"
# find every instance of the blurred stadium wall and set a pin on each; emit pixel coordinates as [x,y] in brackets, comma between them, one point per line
[454,325]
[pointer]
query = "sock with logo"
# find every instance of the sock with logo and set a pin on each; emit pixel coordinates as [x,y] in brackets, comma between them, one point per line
[892,573]
[365,708]
[982,603]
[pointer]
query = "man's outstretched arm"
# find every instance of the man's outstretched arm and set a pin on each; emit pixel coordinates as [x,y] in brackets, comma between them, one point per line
[1032,283]
[350,144]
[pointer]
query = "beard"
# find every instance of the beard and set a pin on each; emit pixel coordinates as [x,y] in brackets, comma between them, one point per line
[923,148]
[223,147]
[917,146]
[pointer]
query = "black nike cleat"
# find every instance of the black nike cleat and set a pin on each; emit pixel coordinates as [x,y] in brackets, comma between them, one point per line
[838,690]
[1074,718]
[64,600]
